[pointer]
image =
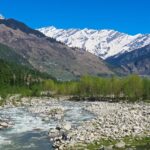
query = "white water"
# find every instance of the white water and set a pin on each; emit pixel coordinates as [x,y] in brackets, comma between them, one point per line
[30,132]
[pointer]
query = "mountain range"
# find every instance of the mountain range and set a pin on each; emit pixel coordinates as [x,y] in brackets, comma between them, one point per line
[69,54]
[48,55]
[126,53]
[103,43]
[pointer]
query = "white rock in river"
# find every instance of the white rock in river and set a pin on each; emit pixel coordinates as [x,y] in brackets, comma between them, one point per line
[4,124]
[1,127]
[67,126]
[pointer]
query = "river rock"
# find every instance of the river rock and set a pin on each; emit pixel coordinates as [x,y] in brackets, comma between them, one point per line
[58,127]
[120,144]
[46,119]
[81,138]
[53,133]
[4,124]
[67,126]
[110,147]
[112,120]
[61,147]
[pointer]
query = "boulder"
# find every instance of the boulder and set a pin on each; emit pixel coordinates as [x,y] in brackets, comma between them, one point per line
[1,127]
[46,119]
[4,124]
[58,127]
[120,144]
[81,138]
[67,126]
[54,133]
[110,147]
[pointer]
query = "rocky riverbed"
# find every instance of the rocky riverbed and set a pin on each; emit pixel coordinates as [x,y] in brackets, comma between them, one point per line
[33,118]
[79,123]
[112,121]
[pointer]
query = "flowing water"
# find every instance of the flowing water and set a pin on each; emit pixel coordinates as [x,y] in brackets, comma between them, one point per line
[29,132]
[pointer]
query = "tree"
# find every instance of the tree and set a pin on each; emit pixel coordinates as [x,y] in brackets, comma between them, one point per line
[133,87]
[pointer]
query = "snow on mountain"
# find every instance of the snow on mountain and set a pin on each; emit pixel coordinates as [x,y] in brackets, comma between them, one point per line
[2,17]
[103,43]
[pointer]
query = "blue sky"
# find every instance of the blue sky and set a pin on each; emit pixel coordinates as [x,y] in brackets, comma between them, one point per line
[129,16]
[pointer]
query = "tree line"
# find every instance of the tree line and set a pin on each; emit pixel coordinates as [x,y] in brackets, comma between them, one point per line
[132,87]
[28,82]
[16,78]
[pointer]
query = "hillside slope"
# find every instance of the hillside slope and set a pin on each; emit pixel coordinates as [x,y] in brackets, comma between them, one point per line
[12,73]
[137,61]
[47,55]
[8,54]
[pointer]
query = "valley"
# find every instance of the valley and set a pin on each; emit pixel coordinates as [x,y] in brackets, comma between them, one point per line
[69,89]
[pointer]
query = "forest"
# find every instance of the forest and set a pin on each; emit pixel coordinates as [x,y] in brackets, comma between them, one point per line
[16,79]
[131,87]
[19,79]
[17,76]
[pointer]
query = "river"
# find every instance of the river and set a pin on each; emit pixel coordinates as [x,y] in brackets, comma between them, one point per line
[29,132]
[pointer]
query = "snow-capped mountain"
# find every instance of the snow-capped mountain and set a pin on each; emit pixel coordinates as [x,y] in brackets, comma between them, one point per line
[46,54]
[2,17]
[103,43]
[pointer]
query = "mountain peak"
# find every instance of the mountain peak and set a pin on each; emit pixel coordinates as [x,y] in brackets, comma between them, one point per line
[2,17]
[15,24]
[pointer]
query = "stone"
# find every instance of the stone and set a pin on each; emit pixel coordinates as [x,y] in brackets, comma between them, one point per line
[54,133]
[46,119]
[110,147]
[58,127]
[61,147]
[120,144]
[67,126]
[58,116]
[4,124]
[81,138]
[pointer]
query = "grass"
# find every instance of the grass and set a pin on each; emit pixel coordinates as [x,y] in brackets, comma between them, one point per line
[135,143]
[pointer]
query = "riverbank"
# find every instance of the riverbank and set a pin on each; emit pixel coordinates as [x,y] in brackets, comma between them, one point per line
[33,118]
[126,143]
[110,121]
[113,121]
